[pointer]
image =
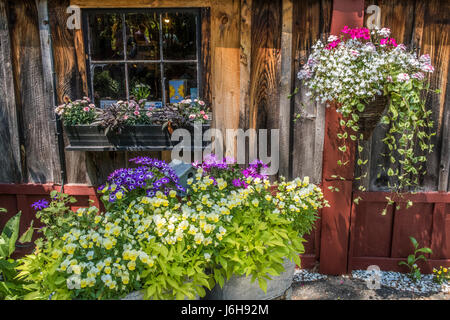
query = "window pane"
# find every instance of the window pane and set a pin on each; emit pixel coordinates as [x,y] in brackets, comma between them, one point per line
[145,78]
[179,36]
[142,36]
[180,81]
[109,82]
[106,36]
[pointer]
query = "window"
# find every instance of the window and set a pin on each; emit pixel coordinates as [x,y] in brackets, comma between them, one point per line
[154,49]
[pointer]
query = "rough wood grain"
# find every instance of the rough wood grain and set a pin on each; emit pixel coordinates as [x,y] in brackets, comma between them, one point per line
[9,126]
[311,19]
[432,33]
[265,66]
[71,78]
[286,87]
[48,74]
[206,54]
[39,149]
[225,67]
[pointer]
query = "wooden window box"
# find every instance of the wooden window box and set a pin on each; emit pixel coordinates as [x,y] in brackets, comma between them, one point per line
[133,138]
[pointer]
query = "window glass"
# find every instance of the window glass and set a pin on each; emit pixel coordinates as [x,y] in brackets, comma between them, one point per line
[180,81]
[145,78]
[143,53]
[179,36]
[106,36]
[142,36]
[109,83]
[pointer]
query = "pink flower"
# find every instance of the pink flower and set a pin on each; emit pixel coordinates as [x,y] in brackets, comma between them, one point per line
[200,102]
[86,109]
[92,105]
[418,76]
[192,116]
[125,117]
[428,68]
[383,41]
[149,114]
[136,112]
[392,42]
[389,79]
[403,77]
[205,116]
[202,112]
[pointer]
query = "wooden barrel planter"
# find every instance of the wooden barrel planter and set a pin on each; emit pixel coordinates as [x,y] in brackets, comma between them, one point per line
[241,287]
[369,118]
[139,136]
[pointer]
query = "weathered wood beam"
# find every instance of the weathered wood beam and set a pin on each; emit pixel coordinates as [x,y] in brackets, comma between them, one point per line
[48,77]
[286,87]
[225,68]
[9,126]
[39,143]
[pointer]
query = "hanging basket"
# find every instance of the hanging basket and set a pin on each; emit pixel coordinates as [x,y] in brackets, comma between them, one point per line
[369,118]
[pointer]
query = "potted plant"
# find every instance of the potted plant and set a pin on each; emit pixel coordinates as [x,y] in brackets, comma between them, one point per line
[128,124]
[140,246]
[371,78]
[264,227]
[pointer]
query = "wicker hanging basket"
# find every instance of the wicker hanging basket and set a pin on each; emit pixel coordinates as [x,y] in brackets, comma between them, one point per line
[369,118]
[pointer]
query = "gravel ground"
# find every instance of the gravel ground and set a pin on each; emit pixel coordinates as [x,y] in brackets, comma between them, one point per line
[314,286]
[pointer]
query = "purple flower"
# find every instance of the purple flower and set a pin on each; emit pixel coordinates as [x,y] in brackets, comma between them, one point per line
[40,205]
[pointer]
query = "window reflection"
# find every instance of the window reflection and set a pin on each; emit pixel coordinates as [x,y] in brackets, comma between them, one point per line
[143,36]
[145,79]
[179,36]
[106,36]
[109,83]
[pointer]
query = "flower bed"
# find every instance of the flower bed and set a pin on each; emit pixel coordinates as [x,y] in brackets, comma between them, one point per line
[170,247]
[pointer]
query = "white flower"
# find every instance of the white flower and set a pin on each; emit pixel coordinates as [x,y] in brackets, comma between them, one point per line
[402,77]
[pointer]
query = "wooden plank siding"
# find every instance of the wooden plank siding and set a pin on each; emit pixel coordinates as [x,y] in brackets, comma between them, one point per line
[39,148]
[251,53]
[9,122]
[311,20]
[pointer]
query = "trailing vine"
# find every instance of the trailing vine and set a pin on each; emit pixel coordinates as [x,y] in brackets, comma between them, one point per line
[362,70]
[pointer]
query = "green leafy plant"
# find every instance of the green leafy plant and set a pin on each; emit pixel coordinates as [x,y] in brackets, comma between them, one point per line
[414,270]
[10,287]
[141,91]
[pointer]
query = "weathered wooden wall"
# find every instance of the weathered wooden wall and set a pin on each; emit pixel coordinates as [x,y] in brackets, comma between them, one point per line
[252,51]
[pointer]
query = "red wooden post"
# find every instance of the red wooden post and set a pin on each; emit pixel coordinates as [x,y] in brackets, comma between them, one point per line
[336,219]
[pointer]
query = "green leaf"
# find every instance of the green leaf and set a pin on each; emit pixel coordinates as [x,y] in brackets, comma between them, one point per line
[27,235]
[414,242]
[425,250]
[263,284]
[10,233]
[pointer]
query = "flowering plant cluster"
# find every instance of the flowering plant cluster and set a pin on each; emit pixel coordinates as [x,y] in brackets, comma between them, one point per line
[150,176]
[193,110]
[358,65]
[76,112]
[117,116]
[441,275]
[263,225]
[150,239]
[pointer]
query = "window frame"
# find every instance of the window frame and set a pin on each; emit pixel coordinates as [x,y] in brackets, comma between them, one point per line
[90,64]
